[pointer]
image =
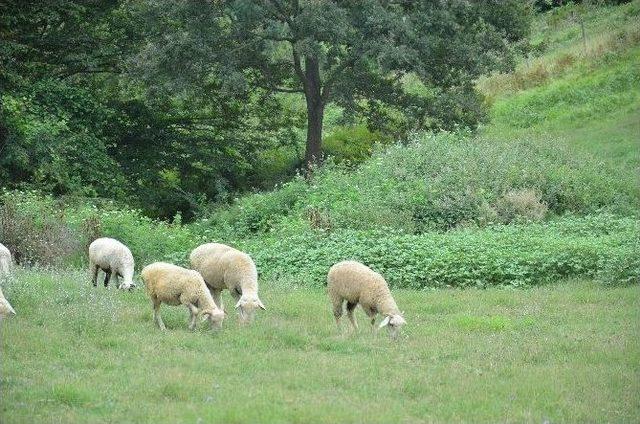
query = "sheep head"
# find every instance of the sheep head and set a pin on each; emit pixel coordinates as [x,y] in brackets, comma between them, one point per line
[247,306]
[393,323]
[215,318]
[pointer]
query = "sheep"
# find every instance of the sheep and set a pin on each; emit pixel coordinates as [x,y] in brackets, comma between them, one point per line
[175,285]
[356,283]
[5,307]
[5,261]
[224,267]
[114,258]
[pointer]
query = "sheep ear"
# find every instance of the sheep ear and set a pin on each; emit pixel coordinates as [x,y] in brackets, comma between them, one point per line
[261,305]
[238,304]
[385,321]
[205,316]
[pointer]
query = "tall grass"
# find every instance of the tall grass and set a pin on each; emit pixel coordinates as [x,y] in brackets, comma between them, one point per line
[609,31]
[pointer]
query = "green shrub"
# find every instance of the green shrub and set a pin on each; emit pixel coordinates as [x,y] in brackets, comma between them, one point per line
[53,232]
[439,182]
[603,247]
[35,231]
[352,144]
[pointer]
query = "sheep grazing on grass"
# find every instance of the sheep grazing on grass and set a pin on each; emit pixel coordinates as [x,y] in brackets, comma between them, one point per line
[5,261]
[114,258]
[5,307]
[224,267]
[174,285]
[356,283]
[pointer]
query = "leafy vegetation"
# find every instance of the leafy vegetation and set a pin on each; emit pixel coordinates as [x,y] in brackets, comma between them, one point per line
[583,93]
[603,247]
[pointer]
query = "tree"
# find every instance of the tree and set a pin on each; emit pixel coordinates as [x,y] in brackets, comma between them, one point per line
[348,52]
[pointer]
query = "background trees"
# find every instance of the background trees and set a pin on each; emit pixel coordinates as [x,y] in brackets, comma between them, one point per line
[355,54]
[168,105]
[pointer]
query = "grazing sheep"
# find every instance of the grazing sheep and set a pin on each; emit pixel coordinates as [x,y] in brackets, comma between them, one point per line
[224,267]
[114,258]
[175,285]
[355,283]
[5,261]
[5,307]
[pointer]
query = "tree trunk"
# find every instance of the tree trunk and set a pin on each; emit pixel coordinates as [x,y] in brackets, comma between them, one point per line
[315,111]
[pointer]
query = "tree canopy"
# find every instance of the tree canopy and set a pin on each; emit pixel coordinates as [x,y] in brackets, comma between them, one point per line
[168,105]
[352,53]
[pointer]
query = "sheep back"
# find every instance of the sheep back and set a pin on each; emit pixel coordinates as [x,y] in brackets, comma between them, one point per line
[357,283]
[111,255]
[174,285]
[5,260]
[223,266]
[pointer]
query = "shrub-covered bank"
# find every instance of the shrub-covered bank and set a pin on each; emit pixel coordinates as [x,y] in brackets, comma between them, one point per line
[602,246]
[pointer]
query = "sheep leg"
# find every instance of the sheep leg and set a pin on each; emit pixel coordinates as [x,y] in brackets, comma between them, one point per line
[156,315]
[371,314]
[94,279]
[350,309]
[194,313]
[337,311]
[217,297]
[107,276]
[236,297]
[114,279]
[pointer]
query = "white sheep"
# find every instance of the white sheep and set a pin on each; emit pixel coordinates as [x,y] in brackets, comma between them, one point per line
[356,283]
[5,307]
[114,258]
[174,285]
[5,261]
[224,267]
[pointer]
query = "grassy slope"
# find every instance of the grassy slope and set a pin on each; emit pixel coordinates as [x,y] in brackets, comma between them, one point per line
[561,353]
[589,98]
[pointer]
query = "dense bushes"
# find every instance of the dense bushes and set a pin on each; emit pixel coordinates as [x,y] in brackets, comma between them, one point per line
[42,230]
[439,182]
[603,246]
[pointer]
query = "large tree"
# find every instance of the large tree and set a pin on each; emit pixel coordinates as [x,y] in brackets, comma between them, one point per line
[348,52]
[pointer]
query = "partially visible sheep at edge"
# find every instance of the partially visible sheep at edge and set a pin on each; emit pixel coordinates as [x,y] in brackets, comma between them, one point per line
[174,285]
[5,270]
[224,267]
[114,258]
[5,307]
[5,261]
[356,283]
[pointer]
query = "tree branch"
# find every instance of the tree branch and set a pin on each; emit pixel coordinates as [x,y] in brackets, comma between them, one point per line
[282,12]
[335,73]
[298,67]
[282,89]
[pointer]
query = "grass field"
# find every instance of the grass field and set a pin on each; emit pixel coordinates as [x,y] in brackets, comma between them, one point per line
[568,352]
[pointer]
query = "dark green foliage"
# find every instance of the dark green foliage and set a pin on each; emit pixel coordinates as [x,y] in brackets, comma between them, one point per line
[545,5]
[352,54]
[75,119]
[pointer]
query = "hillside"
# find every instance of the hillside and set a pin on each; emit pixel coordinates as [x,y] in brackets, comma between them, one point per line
[585,93]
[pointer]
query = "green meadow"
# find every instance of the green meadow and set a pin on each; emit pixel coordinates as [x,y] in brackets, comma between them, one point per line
[567,352]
